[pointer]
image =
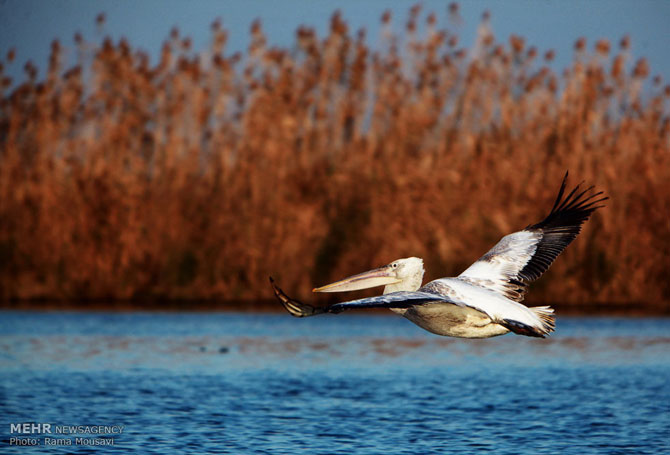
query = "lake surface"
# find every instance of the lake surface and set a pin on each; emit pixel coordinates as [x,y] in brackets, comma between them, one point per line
[364,384]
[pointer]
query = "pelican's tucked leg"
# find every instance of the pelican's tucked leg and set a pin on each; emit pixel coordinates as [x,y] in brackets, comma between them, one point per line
[522,329]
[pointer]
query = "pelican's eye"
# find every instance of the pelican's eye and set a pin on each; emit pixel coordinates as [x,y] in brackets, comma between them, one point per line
[394,265]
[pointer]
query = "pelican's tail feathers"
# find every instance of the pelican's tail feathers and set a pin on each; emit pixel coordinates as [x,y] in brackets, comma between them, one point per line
[546,315]
[293,306]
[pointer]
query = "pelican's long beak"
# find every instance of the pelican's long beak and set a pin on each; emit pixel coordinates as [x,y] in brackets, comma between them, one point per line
[370,279]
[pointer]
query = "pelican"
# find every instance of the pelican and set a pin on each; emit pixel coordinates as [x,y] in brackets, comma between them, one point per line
[485,300]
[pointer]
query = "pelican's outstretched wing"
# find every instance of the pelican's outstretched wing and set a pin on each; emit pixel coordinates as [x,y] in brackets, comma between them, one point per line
[393,300]
[522,257]
[402,299]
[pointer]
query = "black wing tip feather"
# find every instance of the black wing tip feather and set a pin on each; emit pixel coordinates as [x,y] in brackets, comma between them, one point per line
[294,307]
[564,183]
[573,210]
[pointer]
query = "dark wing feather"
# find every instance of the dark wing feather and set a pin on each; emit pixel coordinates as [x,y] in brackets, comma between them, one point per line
[393,300]
[522,257]
[560,228]
[295,307]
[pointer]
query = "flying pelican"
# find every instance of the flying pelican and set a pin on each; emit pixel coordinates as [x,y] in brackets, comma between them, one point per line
[485,300]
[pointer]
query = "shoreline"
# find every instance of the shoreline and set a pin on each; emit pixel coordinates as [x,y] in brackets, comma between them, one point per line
[631,309]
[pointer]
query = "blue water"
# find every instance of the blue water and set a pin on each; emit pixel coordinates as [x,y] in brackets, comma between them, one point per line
[365,384]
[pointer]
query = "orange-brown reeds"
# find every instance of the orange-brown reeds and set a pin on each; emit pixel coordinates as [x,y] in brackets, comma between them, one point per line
[200,175]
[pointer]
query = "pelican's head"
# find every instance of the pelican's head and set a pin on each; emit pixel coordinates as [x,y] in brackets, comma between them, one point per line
[400,275]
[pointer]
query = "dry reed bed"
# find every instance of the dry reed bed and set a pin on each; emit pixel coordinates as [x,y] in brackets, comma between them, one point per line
[199,175]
